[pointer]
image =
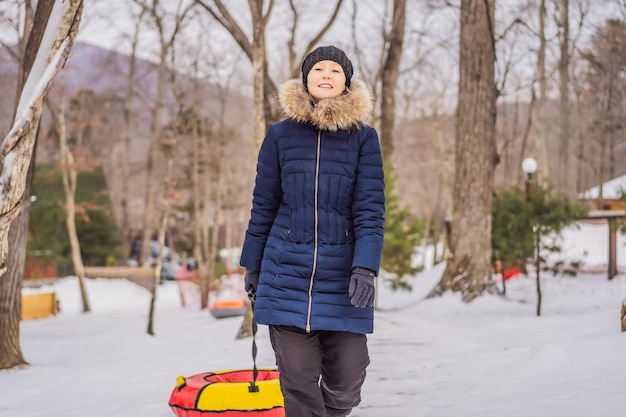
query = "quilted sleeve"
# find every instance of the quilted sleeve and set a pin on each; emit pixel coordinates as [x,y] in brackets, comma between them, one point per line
[266,200]
[368,208]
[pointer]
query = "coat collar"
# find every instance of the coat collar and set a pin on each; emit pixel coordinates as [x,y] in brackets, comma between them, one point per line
[350,110]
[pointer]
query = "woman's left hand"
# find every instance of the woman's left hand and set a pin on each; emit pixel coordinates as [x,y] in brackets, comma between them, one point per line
[362,287]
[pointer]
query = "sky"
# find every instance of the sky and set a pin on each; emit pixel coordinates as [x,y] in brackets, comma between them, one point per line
[437,357]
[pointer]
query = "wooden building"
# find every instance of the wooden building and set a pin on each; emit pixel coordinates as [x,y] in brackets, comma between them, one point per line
[612,198]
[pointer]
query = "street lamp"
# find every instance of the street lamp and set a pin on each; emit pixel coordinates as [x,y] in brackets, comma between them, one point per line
[529,166]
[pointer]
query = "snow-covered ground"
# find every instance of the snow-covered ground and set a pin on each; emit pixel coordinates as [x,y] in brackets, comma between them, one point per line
[435,357]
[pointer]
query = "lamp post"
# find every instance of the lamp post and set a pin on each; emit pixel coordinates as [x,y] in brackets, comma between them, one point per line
[529,166]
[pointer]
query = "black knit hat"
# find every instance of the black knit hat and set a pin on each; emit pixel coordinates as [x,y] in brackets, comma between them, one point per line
[327,53]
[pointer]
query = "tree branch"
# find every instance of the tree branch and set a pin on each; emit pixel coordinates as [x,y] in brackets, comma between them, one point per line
[225,19]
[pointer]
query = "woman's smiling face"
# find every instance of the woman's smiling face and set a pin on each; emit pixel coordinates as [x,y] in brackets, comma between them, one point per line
[326,80]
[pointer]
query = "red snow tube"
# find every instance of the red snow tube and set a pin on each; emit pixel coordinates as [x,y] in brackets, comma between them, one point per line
[511,273]
[227,394]
[228,308]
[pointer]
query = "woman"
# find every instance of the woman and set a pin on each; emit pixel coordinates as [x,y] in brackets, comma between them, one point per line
[314,240]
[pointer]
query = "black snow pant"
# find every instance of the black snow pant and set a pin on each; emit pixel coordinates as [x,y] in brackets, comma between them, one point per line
[321,372]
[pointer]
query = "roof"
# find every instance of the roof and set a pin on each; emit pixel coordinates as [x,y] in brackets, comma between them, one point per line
[613,189]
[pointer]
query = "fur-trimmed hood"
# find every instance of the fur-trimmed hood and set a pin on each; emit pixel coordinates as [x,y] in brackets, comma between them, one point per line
[348,111]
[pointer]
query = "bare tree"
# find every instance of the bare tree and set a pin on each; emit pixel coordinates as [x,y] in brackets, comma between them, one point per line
[69,172]
[536,118]
[48,42]
[606,93]
[295,57]
[217,194]
[394,41]
[165,196]
[255,50]
[161,240]
[468,269]
[424,126]
[265,88]
[542,138]
[207,155]
[128,121]
[160,18]
[564,101]
[11,282]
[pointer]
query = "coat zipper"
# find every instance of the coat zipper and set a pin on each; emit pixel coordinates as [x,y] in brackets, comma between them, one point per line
[317,173]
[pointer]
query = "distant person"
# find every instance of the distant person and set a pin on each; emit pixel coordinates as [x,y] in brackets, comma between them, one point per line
[315,236]
[135,248]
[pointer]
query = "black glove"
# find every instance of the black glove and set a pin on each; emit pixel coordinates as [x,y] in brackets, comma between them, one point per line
[362,287]
[251,281]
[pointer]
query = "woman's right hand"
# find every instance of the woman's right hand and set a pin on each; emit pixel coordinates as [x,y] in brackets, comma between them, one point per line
[251,281]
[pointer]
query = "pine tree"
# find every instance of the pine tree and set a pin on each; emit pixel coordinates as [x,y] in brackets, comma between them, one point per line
[402,235]
[518,218]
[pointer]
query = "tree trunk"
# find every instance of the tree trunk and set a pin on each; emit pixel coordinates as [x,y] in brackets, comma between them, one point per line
[469,268]
[128,123]
[161,240]
[11,284]
[395,40]
[199,204]
[542,137]
[537,268]
[259,65]
[19,147]
[205,229]
[564,103]
[153,153]
[444,179]
[69,179]
[217,218]
[162,20]
[68,172]
[259,68]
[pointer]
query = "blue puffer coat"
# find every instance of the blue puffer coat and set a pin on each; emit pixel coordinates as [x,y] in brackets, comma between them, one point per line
[317,211]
